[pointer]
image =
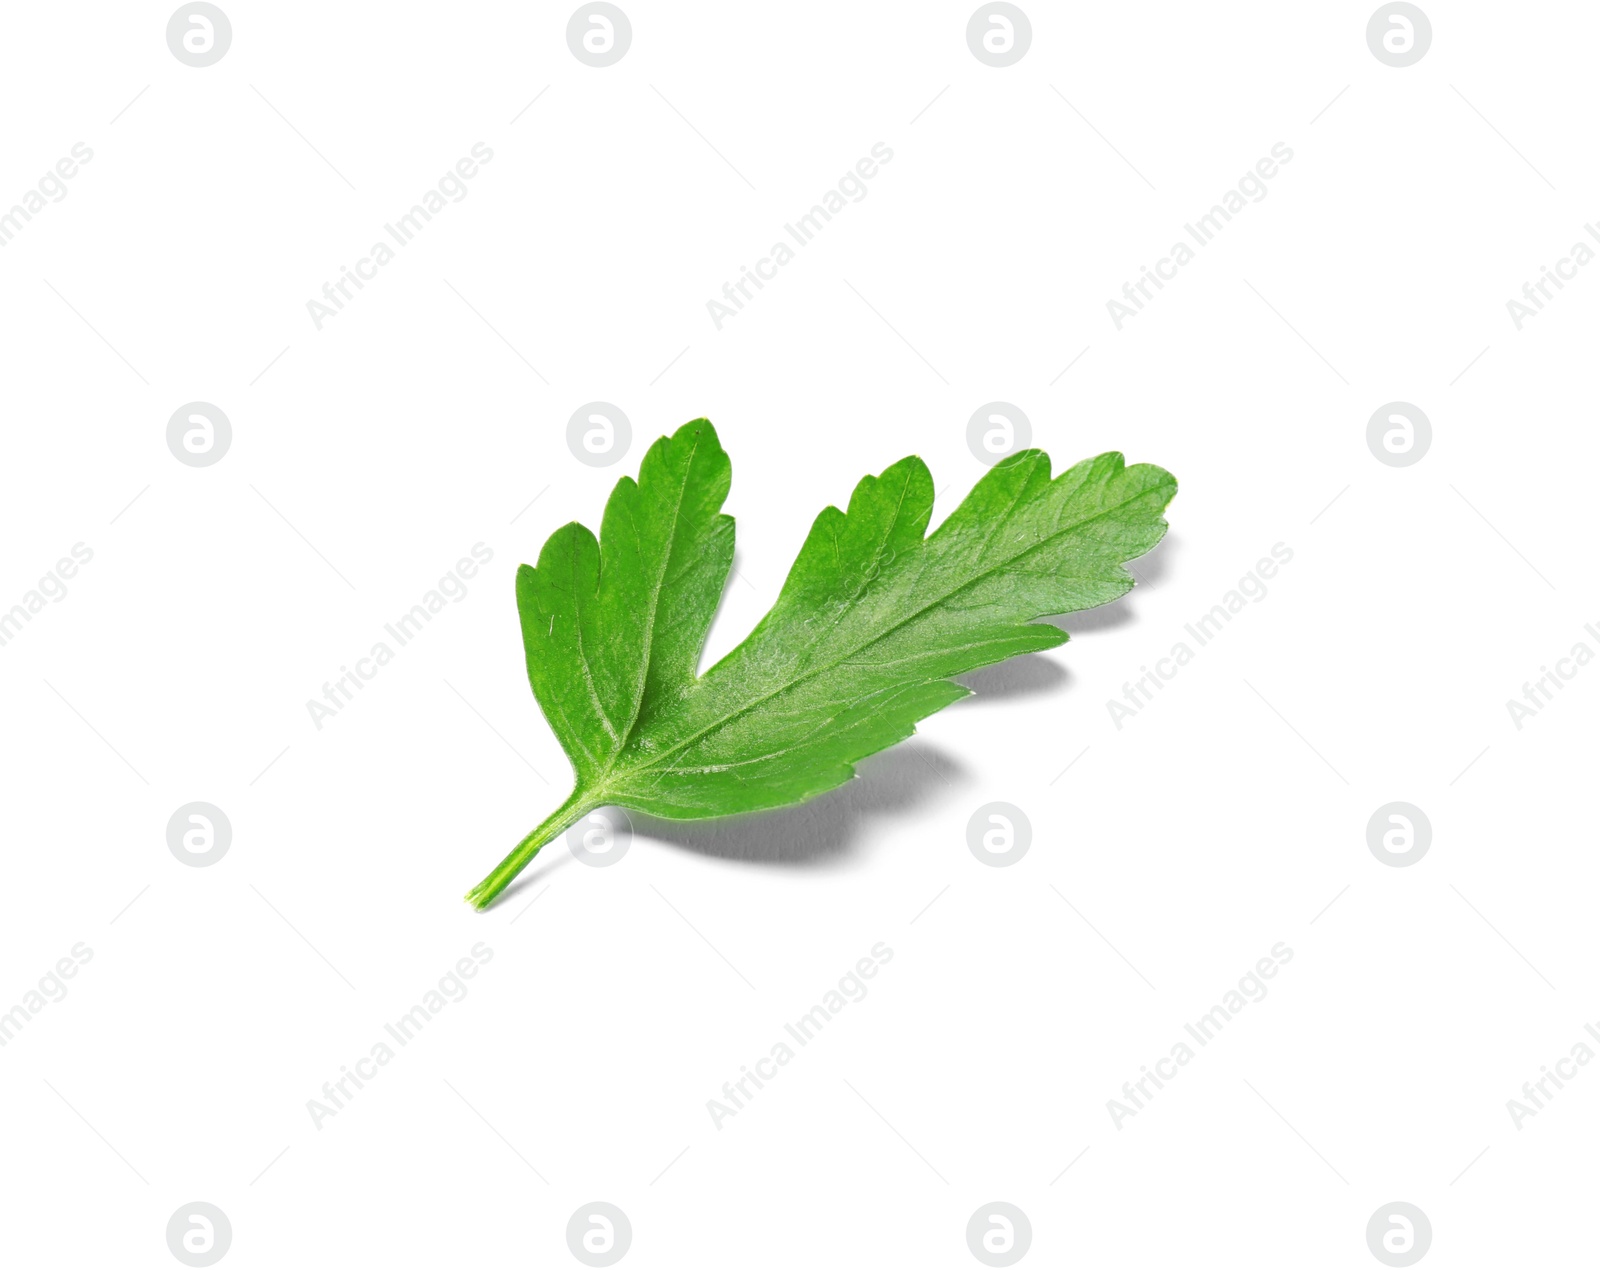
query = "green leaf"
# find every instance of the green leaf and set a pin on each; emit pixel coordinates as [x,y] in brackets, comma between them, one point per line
[873,620]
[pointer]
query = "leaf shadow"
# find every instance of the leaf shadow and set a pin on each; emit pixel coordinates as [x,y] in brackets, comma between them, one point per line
[825,830]
[1150,569]
[828,829]
[1030,675]
[717,637]
[551,857]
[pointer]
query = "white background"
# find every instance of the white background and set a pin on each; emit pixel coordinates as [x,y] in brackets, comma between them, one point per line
[373,453]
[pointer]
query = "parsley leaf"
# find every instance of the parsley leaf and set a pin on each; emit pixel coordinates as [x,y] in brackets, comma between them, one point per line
[872,622]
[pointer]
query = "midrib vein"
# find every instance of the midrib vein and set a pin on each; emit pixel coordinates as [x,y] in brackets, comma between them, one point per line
[884,634]
[655,606]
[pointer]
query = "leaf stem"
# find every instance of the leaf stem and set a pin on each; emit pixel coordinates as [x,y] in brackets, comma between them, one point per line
[579,804]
